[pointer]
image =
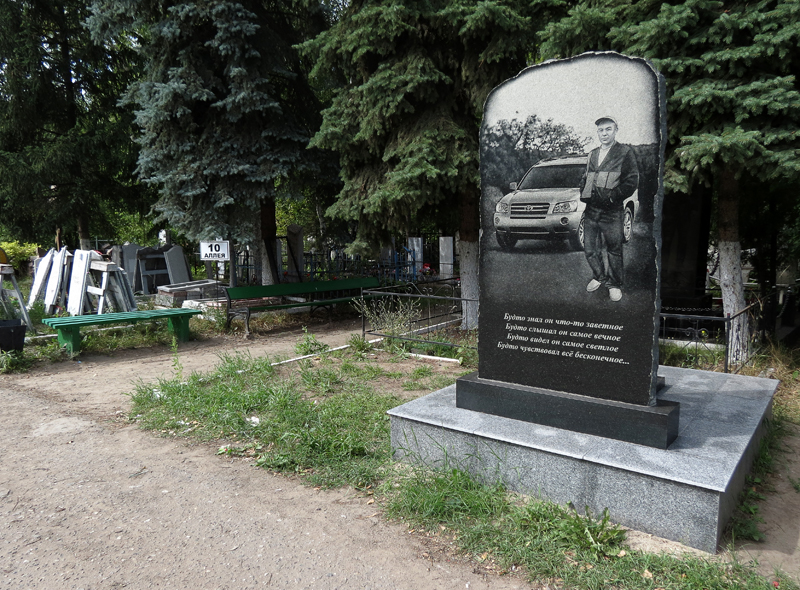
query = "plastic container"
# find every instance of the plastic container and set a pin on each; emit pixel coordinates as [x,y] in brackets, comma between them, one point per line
[12,335]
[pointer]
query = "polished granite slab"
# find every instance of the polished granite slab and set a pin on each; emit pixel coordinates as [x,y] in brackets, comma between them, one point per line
[686,492]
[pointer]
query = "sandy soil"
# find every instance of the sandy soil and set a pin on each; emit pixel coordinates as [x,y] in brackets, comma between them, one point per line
[89,501]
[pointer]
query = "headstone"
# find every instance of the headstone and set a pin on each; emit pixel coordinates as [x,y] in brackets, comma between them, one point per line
[40,277]
[152,269]
[177,266]
[54,280]
[415,245]
[569,264]
[129,264]
[77,284]
[294,242]
[446,257]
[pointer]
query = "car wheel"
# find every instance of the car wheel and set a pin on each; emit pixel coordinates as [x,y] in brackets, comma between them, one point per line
[627,225]
[505,241]
[576,239]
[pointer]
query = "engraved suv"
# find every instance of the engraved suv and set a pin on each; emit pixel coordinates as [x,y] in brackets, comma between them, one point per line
[546,204]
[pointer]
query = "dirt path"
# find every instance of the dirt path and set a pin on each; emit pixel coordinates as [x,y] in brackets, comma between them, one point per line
[88,501]
[93,504]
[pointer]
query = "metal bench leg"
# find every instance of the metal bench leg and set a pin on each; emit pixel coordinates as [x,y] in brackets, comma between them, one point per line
[247,324]
[179,326]
[70,338]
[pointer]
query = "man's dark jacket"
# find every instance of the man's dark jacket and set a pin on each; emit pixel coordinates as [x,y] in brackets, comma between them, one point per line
[607,185]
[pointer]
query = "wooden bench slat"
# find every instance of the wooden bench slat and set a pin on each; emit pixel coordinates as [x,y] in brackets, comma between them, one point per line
[284,289]
[68,328]
[243,300]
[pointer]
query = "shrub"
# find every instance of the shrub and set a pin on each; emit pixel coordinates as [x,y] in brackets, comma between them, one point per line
[19,254]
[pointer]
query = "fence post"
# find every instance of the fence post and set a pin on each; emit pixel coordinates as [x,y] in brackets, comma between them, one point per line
[727,339]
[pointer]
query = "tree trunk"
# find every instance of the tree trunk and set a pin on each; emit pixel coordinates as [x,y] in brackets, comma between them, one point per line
[83,232]
[468,256]
[269,231]
[730,268]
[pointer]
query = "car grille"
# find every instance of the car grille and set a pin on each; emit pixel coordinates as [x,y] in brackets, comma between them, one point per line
[533,211]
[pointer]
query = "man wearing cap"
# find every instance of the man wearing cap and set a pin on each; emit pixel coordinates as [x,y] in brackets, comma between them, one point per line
[611,177]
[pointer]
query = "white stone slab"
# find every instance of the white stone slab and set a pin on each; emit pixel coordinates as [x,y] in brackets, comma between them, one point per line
[40,277]
[77,283]
[54,280]
[446,257]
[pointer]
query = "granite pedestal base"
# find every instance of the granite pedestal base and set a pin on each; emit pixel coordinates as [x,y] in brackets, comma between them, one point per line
[652,426]
[685,493]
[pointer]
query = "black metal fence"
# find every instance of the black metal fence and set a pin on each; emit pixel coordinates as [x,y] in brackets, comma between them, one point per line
[327,264]
[434,314]
[426,314]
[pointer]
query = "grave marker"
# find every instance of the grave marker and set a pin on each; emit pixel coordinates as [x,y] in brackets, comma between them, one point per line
[446,257]
[569,265]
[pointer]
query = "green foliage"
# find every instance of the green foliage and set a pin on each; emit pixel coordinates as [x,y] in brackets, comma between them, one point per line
[339,439]
[65,144]
[448,495]
[414,79]
[19,254]
[224,107]
[389,316]
[600,537]
[133,227]
[309,344]
[358,344]
[14,361]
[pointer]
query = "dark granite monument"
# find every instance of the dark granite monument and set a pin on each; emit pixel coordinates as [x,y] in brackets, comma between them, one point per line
[565,403]
[572,163]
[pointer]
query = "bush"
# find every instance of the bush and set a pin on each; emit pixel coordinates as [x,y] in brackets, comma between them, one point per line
[19,254]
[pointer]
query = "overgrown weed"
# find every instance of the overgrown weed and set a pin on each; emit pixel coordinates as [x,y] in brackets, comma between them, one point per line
[309,344]
[324,421]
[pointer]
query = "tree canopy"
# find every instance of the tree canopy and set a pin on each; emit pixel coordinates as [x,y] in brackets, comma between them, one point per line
[405,122]
[65,153]
[224,107]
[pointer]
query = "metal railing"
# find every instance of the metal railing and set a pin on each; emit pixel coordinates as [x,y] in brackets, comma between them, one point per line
[324,265]
[430,314]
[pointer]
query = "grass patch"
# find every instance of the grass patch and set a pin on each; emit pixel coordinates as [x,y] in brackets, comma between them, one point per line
[324,420]
[692,356]
[557,546]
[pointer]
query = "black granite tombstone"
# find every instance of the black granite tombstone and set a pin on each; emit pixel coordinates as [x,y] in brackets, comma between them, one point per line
[569,263]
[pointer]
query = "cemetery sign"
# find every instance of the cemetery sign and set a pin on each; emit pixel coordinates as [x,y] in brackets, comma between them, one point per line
[218,251]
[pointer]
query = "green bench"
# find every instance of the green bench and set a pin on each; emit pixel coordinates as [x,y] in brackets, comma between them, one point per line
[243,300]
[68,328]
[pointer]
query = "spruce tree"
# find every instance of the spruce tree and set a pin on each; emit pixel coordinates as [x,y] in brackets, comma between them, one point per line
[406,120]
[66,157]
[225,110]
[733,98]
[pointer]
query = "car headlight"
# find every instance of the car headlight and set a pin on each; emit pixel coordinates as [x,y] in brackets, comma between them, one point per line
[502,207]
[568,207]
